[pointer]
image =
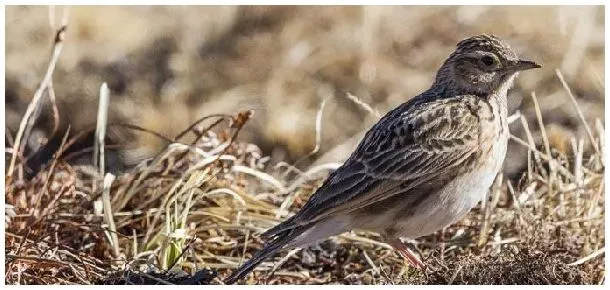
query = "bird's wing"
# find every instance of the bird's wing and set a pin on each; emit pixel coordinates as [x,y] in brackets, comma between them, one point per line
[425,142]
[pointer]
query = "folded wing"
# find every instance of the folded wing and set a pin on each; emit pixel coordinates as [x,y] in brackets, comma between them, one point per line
[419,142]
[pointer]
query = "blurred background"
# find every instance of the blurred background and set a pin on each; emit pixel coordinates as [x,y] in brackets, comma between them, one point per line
[168,66]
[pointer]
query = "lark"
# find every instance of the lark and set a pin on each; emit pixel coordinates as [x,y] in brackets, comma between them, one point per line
[423,166]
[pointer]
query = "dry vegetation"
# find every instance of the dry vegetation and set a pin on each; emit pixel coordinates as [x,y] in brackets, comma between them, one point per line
[201,206]
[193,211]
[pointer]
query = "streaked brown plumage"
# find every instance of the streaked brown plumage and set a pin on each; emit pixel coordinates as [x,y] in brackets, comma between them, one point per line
[423,166]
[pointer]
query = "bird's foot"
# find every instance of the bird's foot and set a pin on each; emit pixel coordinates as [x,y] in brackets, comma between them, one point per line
[410,257]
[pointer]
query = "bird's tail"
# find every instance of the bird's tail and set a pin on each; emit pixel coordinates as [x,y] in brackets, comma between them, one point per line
[271,248]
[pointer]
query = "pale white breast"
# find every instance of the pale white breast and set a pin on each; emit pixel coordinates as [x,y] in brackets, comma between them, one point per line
[464,192]
[455,200]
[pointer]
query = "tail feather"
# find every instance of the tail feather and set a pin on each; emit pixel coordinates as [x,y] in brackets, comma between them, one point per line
[278,229]
[269,249]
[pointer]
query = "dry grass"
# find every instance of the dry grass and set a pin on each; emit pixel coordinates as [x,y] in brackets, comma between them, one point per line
[201,206]
[194,211]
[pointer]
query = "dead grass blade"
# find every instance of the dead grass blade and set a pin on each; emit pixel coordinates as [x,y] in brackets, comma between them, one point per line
[58,44]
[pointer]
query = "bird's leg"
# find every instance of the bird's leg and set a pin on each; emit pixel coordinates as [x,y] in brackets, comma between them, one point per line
[406,253]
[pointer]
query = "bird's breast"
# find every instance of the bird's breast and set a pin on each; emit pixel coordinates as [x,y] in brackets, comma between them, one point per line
[454,199]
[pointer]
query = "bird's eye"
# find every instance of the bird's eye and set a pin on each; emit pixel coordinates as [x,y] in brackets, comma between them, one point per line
[488,60]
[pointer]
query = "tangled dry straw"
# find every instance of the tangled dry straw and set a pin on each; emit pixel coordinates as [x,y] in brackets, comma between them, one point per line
[200,206]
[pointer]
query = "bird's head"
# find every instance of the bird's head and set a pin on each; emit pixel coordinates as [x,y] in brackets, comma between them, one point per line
[481,65]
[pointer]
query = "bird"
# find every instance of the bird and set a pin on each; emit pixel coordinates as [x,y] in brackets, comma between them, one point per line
[422,166]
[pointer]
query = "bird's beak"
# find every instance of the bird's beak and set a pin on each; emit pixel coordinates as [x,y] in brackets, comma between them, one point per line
[523,65]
